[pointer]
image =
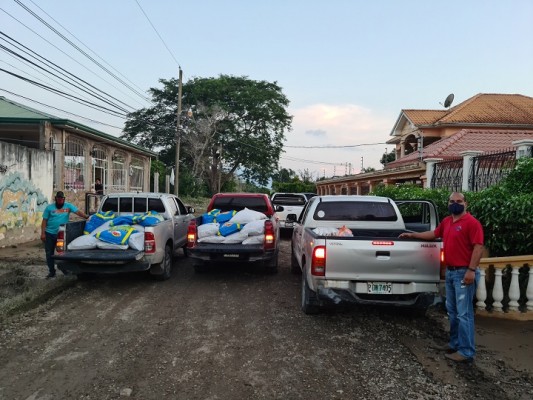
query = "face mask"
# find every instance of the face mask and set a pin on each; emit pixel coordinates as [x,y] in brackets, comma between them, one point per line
[456,208]
[60,202]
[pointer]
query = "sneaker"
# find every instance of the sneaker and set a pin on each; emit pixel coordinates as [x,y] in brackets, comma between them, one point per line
[445,347]
[457,357]
[50,276]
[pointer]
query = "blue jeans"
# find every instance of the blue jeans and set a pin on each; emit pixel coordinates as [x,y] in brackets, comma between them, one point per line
[460,307]
[49,249]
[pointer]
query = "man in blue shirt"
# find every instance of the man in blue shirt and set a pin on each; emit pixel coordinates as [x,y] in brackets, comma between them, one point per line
[54,215]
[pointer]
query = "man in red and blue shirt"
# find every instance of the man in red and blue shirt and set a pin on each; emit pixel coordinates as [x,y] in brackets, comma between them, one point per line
[463,239]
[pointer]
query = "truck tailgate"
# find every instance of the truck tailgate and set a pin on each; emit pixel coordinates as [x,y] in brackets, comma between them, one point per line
[98,256]
[390,260]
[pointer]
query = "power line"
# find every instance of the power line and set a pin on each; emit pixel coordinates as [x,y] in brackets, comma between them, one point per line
[73,59]
[59,109]
[88,48]
[334,147]
[157,34]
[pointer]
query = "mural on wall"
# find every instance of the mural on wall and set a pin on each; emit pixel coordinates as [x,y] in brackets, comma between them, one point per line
[21,203]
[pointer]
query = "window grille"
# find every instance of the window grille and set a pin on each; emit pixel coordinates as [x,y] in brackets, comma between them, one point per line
[118,173]
[74,164]
[136,174]
[100,165]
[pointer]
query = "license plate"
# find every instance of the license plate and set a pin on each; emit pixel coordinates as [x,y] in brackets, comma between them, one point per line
[379,287]
[231,255]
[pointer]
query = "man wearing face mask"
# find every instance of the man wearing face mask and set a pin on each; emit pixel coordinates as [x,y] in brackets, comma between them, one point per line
[54,215]
[462,237]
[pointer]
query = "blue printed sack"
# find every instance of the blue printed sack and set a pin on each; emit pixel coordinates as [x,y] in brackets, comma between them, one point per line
[96,220]
[123,220]
[117,234]
[150,218]
[209,217]
[225,216]
[228,228]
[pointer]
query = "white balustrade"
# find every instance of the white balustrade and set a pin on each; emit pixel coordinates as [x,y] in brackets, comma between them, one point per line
[497,291]
[529,291]
[514,290]
[481,292]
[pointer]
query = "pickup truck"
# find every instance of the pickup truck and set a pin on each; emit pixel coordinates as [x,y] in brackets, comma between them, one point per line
[161,241]
[347,249]
[265,253]
[292,203]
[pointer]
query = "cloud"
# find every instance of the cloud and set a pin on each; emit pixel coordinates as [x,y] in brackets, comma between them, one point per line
[325,125]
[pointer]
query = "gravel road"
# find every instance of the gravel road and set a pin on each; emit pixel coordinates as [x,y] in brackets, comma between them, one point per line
[231,333]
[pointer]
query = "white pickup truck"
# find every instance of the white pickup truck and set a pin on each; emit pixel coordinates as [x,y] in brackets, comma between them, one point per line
[347,249]
[292,203]
[161,241]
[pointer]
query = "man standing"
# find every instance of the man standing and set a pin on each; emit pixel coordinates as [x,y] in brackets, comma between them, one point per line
[462,237]
[55,215]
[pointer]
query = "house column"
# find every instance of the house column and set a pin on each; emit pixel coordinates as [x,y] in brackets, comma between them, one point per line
[523,148]
[430,170]
[468,157]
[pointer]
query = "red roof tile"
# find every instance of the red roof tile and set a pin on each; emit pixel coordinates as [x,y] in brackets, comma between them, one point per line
[466,139]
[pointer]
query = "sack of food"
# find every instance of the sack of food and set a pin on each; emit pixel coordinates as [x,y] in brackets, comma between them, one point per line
[97,220]
[228,228]
[246,215]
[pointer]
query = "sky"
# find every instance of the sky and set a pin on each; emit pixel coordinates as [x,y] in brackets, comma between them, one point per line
[348,67]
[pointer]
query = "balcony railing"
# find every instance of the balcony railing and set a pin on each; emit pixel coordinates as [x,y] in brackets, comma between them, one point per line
[505,289]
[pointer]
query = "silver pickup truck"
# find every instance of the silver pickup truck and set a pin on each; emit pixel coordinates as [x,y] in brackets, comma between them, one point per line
[161,241]
[347,249]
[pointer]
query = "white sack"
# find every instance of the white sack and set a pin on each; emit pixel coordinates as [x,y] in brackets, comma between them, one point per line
[254,228]
[326,231]
[136,241]
[209,229]
[258,239]
[83,242]
[236,237]
[110,246]
[212,239]
[246,215]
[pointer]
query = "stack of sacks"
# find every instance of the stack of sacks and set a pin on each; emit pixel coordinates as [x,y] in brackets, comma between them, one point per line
[327,231]
[246,227]
[105,231]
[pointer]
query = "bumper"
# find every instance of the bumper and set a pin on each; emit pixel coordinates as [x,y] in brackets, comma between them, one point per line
[403,295]
[232,255]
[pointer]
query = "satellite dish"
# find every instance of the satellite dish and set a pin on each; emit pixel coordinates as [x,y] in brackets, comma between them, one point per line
[448,101]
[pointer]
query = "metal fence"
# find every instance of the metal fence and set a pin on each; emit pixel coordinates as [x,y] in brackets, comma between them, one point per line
[490,168]
[448,175]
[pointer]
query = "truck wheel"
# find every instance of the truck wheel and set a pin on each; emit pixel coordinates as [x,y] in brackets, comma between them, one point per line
[165,265]
[310,303]
[295,268]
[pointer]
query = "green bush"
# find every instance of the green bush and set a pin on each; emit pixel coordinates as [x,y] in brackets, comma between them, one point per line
[505,210]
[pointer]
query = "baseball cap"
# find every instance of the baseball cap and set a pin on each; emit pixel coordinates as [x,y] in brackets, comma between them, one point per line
[60,194]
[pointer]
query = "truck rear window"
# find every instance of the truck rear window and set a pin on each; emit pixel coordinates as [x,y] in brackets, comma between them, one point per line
[239,203]
[289,200]
[136,205]
[354,211]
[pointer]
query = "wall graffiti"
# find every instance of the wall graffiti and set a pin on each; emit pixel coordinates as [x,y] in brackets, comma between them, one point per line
[21,203]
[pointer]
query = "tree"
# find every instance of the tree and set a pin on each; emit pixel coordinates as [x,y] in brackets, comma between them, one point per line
[387,158]
[238,126]
[368,169]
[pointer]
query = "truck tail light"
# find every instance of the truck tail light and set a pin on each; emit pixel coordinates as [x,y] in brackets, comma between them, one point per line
[60,241]
[191,234]
[318,263]
[149,242]
[442,265]
[270,236]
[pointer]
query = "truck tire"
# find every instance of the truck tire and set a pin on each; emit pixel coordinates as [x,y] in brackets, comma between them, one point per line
[165,265]
[310,304]
[295,268]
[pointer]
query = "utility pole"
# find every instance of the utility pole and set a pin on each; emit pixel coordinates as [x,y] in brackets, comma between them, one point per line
[178,136]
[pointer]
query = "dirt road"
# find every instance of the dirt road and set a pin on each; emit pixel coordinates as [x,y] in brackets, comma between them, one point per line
[231,333]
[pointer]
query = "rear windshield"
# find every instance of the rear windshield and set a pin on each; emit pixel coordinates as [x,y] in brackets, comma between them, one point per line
[239,203]
[354,211]
[134,205]
[289,200]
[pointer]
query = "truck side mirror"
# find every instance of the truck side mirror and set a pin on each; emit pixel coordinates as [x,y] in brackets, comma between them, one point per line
[291,218]
[278,208]
[190,210]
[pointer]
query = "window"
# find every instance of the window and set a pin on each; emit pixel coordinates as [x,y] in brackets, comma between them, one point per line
[181,207]
[118,172]
[99,165]
[354,211]
[73,178]
[289,199]
[136,174]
